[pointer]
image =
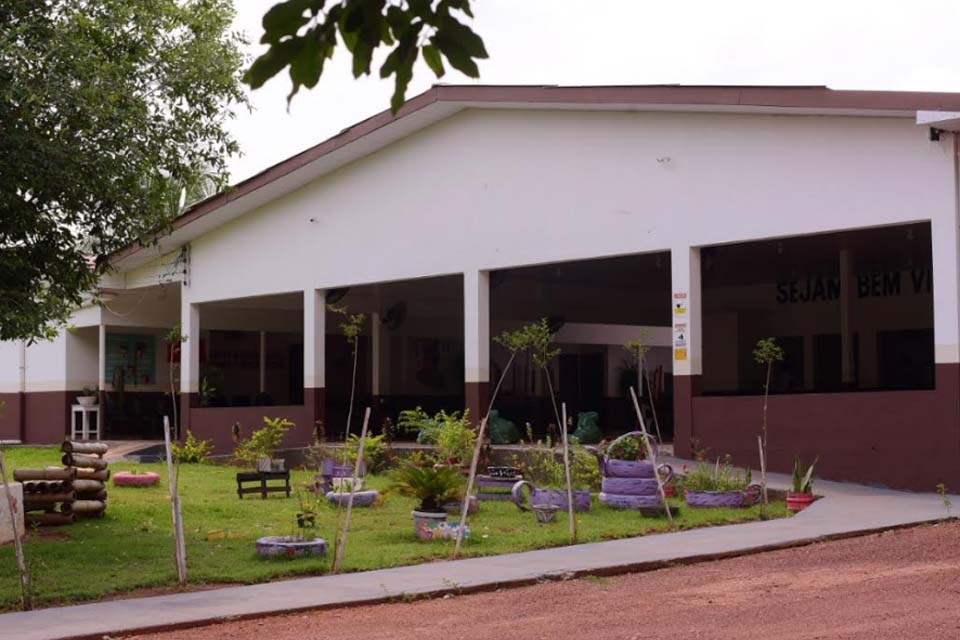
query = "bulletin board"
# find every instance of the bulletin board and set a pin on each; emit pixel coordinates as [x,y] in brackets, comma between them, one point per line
[135,354]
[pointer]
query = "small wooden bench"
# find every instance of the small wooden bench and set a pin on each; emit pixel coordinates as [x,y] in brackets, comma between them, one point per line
[261,478]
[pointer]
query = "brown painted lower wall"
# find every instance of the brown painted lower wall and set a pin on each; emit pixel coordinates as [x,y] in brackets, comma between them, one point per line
[47,416]
[476,399]
[216,424]
[10,412]
[900,439]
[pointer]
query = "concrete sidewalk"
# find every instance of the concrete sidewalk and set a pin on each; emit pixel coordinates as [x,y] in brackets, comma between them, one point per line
[844,510]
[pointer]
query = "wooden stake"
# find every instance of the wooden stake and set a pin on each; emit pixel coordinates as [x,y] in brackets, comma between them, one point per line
[653,456]
[566,471]
[17,542]
[763,476]
[338,555]
[179,548]
[471,478]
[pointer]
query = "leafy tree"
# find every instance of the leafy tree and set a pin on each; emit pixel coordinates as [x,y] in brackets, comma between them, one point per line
[304,34]
[112,112]
[767,353]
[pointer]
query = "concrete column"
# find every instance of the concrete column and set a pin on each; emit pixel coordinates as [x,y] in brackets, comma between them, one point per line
[263,361]
[375,335]
[476,342]
[687,342]
[189,360]
[101,377]
[314,352]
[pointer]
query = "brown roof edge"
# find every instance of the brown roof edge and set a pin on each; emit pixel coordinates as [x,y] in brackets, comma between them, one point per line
[811,97]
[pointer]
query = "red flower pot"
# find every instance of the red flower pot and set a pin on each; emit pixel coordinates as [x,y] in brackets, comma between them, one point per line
[799,501]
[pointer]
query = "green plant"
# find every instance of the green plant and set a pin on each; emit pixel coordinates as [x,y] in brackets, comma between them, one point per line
[433,486]
[89,391]
[766,353]
[376,456]
[263,442]
[193,450]
[455,437]
[419,422]
[719,477]
[802,480]
[629,448]
[942,492]
[542,465]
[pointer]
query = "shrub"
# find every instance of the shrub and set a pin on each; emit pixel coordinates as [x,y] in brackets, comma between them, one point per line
[263,442]
[376,456]
[455,437]
[543,466]
[419,422]
[719,477]
[193,450]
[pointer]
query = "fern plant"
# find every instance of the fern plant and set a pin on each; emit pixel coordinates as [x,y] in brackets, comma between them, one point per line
[433,486]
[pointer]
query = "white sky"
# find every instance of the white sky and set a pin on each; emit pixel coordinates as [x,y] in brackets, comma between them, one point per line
[845,44]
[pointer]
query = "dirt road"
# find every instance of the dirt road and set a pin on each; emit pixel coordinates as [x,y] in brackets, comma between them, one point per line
[902,584]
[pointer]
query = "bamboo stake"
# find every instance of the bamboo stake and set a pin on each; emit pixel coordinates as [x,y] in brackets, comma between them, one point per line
[353,489]
[17,542]
[179,549]
[653,456]
[566,471]
[465,507]
[763,476]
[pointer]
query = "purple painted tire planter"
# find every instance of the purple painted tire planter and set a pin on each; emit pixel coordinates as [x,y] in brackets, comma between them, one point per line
[290,547]
[630,486]
[360,498]
[745,498]
[555,497]
[621,501]
[127,479]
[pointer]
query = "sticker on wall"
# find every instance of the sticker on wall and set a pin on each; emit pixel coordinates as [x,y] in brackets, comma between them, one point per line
[680,334]
[680,304]
[680,353]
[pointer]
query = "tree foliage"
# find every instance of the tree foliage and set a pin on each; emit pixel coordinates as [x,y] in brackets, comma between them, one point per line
[304,34]
[109,111]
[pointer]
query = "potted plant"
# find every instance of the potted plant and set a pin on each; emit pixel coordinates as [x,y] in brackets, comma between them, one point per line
[801,495]
[262,445]
[721,485]
[433,486]
[628,474]
[88,397]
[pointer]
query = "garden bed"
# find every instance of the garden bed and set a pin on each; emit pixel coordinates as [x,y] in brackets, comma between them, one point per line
[131,547]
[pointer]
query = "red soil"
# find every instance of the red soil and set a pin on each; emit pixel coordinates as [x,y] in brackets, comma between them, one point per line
[901,584]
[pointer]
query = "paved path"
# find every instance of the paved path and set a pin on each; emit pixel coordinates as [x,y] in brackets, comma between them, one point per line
[845,510]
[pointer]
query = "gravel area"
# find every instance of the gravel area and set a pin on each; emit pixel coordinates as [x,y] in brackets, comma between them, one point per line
[898,584]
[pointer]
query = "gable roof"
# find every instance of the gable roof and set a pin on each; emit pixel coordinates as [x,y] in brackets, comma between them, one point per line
[442,101]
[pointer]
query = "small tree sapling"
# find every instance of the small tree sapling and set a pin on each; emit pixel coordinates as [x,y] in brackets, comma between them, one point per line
[766,353]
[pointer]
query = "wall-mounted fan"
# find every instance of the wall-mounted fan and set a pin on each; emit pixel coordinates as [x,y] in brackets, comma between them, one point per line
[395,316]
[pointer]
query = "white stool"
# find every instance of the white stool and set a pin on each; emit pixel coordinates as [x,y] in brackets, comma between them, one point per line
[85,429]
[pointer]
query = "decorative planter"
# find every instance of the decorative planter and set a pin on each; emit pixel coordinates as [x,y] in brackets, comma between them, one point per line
[264,464]
[799,501]
[290,547]
[454,508]
[743,498]
[555,497]
[544,512]
[360,498]
[87,401]
[630,486]
[624,501]
[434,526]
[277,464]
[503,473]
[130,479]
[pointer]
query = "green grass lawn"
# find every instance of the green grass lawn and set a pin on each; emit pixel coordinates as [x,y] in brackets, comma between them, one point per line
[132,547]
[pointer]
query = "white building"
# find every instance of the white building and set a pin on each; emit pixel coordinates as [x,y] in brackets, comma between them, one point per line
[711,216]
